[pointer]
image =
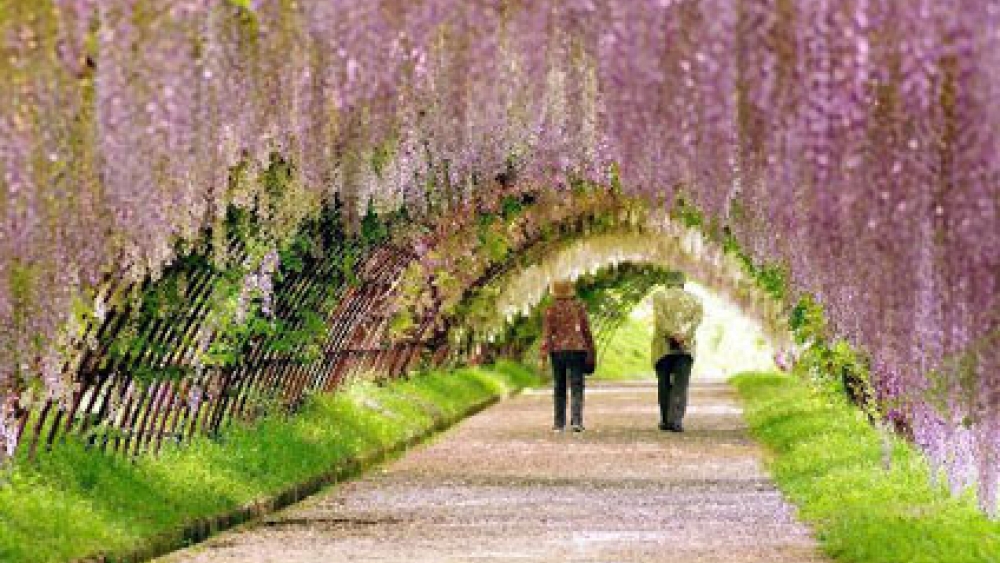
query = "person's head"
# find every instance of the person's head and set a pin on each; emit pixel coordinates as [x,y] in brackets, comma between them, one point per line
[563,289]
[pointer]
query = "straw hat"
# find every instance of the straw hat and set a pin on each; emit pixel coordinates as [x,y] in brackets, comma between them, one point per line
[563,289]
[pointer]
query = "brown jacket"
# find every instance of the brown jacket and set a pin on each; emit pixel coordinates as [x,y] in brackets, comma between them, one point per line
[565,327]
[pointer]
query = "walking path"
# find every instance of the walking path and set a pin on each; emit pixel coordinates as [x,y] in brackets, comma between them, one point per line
[502,487]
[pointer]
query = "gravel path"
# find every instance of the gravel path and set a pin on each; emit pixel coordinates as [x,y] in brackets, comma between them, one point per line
[502,487]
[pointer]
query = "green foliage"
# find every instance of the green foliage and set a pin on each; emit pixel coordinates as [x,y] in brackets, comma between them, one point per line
[807,321]
[627,355]
[834,365]
[511,207]
[348,265]
[731,245]
[147,374]
[527,328]
[295,255]
[73,503]
[687,213]
[773,279]
[826,459]
[373,229]
[303,343]
[493,241]
[402,323]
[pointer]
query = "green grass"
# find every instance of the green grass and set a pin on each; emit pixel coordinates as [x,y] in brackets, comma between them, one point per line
[74,503]
[826,458]
[627,354]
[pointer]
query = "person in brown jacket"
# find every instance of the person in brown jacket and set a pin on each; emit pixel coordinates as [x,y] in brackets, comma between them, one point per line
[569,344]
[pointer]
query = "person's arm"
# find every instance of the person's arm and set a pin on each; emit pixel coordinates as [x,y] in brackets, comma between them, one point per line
[665,329]
[692,322]
[543,349]
[657,347]
[588,337]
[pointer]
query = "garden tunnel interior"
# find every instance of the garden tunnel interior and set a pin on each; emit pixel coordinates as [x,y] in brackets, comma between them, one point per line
[407,296]
[195,247]
[615,273]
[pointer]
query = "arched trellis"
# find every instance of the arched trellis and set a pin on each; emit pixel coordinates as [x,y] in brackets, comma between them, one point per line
[609,293]
[117,406]
[132,402]
[655,240]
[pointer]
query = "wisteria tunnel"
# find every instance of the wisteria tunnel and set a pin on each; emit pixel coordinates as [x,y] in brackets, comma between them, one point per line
[213,211]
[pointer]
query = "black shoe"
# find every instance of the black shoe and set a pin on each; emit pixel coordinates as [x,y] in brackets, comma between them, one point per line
[676,428]
[664,426]
[578,428]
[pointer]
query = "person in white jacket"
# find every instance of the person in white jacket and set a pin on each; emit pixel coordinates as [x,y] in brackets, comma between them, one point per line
[676,316]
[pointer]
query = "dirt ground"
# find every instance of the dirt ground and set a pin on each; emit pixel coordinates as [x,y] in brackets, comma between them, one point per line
[501,486]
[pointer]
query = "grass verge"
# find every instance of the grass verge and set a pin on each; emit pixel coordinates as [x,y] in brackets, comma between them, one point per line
[74,503]
[826,458]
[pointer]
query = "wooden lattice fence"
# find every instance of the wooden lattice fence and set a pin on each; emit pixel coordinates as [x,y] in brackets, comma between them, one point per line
[134,402]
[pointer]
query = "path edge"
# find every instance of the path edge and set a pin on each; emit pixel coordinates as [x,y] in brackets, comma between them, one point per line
[201,529]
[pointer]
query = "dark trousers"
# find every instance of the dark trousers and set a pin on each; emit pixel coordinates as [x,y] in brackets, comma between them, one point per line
[568,365]
[673,373]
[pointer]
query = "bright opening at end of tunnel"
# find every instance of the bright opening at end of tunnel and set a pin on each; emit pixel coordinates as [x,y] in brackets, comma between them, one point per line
[729,342]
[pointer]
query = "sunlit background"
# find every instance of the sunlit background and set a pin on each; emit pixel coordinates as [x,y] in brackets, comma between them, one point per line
[728,342]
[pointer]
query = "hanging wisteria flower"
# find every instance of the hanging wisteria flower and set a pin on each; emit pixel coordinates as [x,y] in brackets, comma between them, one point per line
[194,398]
